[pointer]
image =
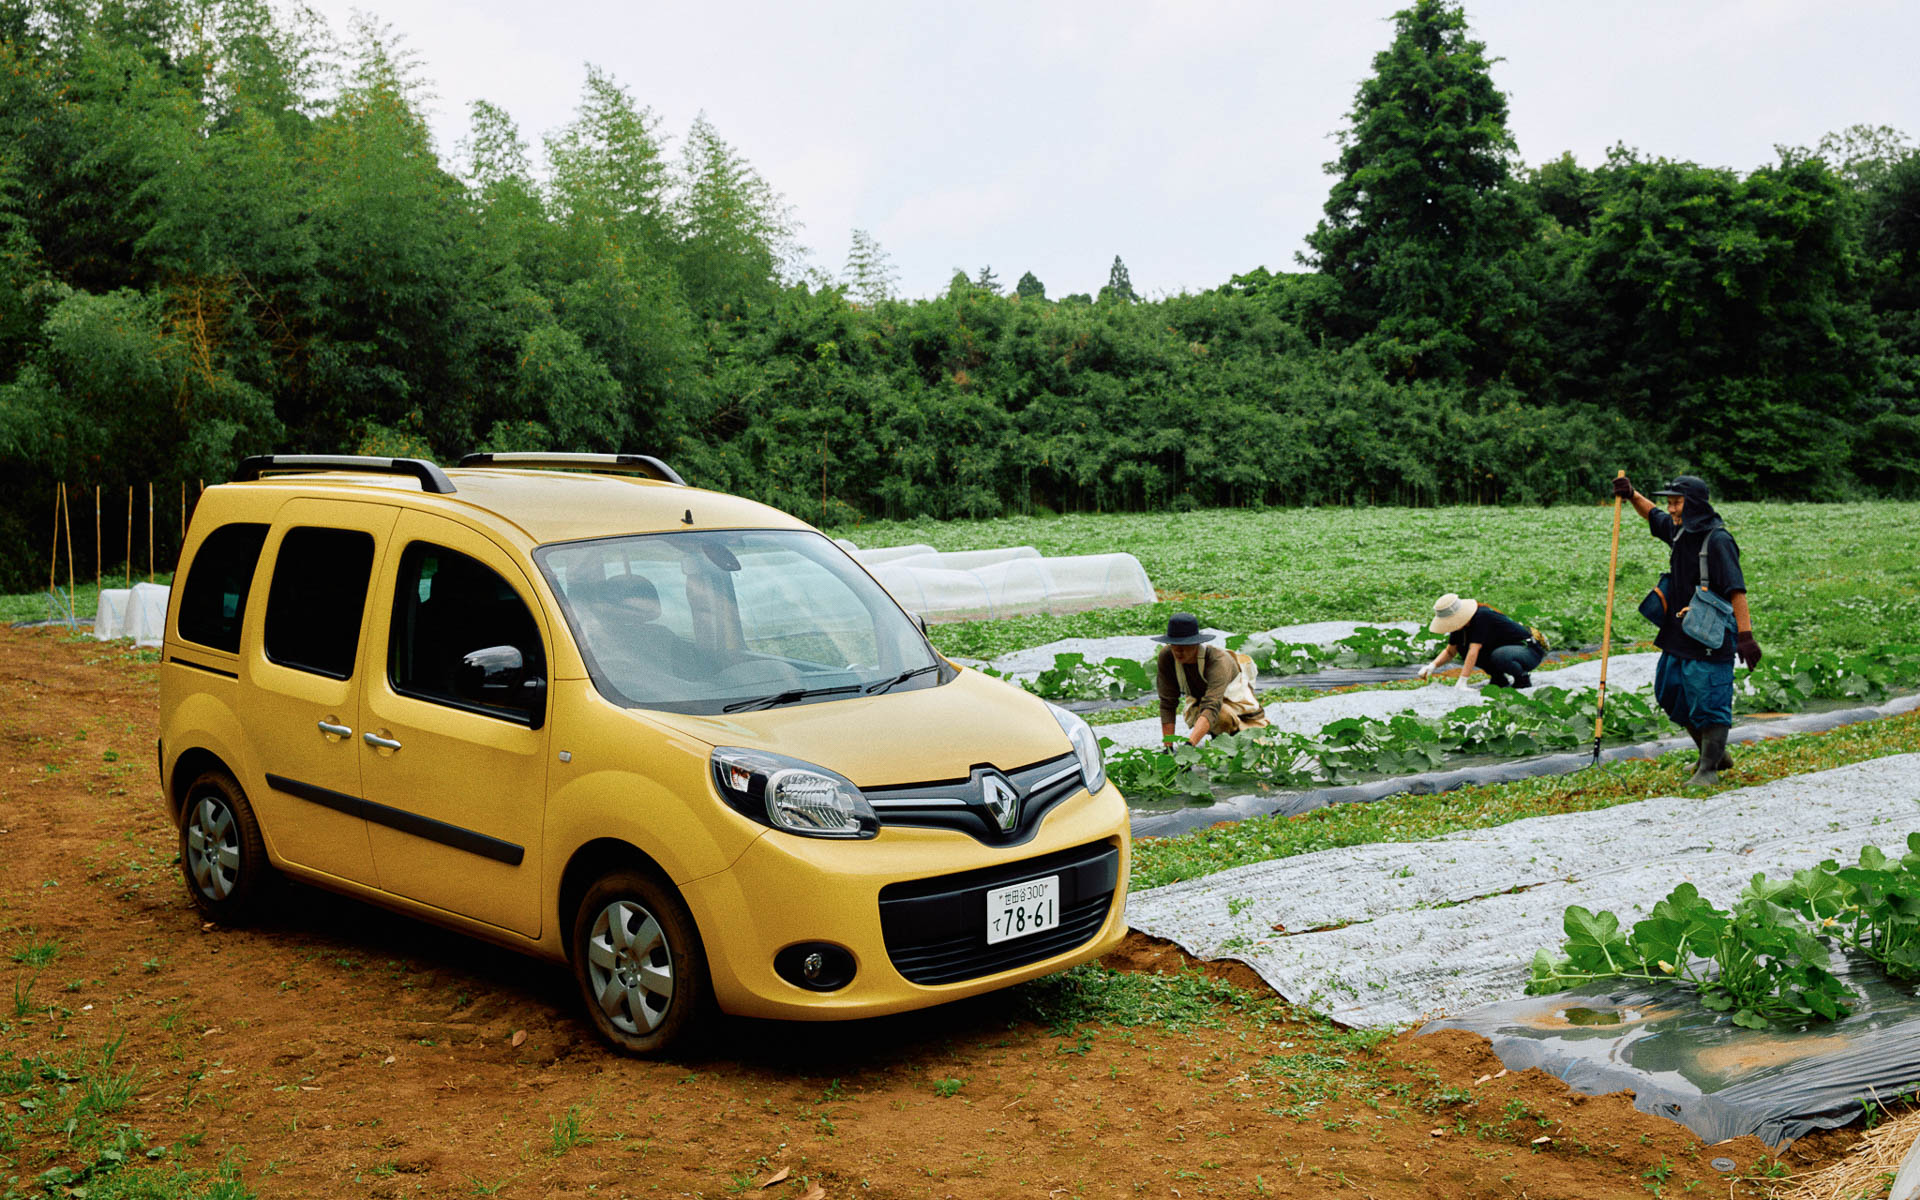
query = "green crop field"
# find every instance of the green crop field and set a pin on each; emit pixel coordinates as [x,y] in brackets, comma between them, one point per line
[1826,576]
[1829,576]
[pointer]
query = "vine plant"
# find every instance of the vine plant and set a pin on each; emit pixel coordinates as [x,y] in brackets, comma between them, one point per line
[1770,955]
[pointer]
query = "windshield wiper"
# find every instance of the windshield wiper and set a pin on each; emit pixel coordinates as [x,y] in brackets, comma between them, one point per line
[786,697]
[874,689]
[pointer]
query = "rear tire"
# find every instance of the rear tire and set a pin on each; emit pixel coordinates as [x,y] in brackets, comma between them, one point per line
[222,856]
[641,968]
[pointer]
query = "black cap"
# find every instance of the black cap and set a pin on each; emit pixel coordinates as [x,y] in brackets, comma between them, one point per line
[1692,487]
[1183,629]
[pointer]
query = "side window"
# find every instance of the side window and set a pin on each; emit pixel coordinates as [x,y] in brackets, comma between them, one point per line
[214,598]
[319,589]
[462,636]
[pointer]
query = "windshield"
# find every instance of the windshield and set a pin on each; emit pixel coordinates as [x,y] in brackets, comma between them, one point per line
[731,620]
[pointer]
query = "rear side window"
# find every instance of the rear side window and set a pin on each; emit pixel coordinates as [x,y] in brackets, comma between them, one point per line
[214,599]
[463,637]
[319,589]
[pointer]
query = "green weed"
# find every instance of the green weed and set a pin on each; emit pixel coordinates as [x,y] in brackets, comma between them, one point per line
[568,1131]
[37,954]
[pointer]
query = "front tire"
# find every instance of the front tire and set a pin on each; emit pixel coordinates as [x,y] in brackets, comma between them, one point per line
[222,856]
[640,964]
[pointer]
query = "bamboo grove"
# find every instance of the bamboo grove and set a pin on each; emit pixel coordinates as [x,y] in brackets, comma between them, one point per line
[226,230]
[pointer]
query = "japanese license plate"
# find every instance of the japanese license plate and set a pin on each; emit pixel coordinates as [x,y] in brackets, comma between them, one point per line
[1020,909]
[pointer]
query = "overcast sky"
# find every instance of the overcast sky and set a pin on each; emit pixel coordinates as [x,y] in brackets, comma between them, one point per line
[1188,138]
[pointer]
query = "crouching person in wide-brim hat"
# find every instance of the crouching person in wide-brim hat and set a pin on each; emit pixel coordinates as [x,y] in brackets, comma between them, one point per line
[1486,638]
[1217,683]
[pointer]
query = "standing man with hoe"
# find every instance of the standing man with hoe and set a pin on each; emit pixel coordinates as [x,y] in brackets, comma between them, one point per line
[1701,609]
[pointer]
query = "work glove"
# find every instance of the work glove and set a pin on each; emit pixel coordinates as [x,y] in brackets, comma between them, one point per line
[1747,649]
[1426,670]
[1622,487]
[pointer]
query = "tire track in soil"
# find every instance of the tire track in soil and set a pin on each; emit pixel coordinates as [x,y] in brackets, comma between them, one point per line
[344,1051]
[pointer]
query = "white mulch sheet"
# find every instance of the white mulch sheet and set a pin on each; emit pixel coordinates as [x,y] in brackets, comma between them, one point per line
[1434,927]
[1141,647]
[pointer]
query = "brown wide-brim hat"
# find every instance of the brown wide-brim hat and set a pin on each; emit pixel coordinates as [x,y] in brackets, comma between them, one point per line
[1183,629]
[1450,612]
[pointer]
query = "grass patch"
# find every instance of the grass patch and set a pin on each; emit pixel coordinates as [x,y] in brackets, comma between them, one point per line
[1835,576]
[55,1113]
[37,954]
[40,605]
[1091,994]
[1406,818]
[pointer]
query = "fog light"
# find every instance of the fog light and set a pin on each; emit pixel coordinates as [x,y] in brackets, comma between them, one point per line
[816,966]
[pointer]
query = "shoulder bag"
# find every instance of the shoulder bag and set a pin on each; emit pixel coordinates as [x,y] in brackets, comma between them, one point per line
[1707,617]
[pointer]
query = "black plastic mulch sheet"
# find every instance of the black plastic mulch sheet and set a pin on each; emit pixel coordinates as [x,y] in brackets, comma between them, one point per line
[1691,1065]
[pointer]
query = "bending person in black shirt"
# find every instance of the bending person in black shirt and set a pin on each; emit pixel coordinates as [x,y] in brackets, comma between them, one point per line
[1694,680]
[1486,638]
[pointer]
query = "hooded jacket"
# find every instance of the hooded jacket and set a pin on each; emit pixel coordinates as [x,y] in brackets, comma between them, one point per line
[1699,520]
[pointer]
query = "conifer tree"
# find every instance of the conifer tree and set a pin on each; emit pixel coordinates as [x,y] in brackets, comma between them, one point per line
[608,166]
[735,234]
[869,275]
[1030,288]
[1421,219]
[1119,285]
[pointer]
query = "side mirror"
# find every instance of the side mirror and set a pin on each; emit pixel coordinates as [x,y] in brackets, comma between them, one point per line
[496,676]
[490,675]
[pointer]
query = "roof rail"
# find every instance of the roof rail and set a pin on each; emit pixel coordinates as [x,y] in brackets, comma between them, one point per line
[612,464]
[432,478]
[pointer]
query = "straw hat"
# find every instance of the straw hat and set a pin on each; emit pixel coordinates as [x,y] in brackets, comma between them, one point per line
[1450,612]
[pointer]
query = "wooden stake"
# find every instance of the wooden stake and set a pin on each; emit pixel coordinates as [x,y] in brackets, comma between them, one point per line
[53,560]
[1606,627]
[72,614]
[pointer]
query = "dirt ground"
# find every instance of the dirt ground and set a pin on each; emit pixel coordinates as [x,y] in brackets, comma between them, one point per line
[340,1051]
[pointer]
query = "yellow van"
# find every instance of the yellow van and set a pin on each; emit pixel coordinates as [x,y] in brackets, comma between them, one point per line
[675,739]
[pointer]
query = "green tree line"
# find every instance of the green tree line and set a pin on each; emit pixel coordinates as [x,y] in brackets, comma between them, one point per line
[224,230]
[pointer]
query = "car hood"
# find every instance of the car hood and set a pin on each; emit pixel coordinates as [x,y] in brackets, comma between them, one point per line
[920,736]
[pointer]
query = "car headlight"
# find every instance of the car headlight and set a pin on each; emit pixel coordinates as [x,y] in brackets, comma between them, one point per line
[791,795]
[1086,747]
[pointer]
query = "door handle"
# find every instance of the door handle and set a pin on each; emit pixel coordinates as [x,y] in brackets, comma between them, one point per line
[374,739]
[332,730]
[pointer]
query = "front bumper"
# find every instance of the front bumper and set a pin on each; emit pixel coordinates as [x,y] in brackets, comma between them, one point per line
[908,903]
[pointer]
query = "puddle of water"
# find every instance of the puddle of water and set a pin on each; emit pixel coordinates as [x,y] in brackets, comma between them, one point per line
[1598,1016]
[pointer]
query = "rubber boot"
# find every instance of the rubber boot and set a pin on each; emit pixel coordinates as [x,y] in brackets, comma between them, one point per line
[1726,759]
[1713,749]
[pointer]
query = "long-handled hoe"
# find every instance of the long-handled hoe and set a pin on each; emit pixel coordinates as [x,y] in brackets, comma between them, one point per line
[1606,630]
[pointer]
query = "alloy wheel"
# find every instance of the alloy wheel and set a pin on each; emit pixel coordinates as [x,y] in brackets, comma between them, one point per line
[630,967]
[213,848]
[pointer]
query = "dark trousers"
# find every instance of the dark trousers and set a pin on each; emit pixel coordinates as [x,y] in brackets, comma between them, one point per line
[1511,666]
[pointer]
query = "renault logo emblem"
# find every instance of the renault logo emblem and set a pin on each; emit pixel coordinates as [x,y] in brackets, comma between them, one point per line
[1002,799]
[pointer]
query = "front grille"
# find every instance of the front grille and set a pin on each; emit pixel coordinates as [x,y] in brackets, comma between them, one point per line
[936,929]
[958,804]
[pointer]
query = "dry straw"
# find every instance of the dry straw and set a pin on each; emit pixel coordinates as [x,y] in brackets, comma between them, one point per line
[1866,1171]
